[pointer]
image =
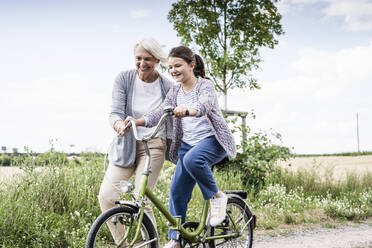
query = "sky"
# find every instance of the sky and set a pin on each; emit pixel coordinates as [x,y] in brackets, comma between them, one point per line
[58,61]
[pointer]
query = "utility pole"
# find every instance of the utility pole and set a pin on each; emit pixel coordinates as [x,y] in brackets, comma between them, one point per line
[357,119]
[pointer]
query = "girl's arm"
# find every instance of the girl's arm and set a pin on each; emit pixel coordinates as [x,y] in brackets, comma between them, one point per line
[207,99]
[152,118]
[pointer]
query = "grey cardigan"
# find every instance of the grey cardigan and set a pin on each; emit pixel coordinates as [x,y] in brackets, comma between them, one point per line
[123,149]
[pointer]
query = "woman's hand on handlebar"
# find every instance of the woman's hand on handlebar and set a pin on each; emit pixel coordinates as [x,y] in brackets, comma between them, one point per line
[122,127]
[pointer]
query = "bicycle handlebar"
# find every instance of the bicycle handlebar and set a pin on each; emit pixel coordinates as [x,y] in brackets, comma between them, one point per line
[168,111]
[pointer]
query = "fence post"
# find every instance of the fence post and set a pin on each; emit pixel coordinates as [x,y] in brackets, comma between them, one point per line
[243,116]
[357,119]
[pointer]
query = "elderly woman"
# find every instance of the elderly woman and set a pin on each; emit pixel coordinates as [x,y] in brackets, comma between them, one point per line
[136,92]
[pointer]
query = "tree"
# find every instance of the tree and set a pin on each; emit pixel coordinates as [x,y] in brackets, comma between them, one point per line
[228,35]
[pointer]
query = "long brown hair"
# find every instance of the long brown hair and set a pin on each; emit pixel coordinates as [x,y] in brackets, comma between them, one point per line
[186,54]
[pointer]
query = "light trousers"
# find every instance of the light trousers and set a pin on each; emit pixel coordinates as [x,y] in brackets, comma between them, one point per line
[110,187]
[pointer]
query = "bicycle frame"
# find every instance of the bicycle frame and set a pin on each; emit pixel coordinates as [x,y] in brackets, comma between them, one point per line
[176,222]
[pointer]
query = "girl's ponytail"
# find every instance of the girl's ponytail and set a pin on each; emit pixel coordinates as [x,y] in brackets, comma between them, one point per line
[199,69]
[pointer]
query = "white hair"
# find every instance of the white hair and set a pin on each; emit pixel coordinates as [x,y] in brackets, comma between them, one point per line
[154,48]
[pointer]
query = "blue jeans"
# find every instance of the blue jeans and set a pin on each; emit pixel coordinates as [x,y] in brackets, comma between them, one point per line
[193,167]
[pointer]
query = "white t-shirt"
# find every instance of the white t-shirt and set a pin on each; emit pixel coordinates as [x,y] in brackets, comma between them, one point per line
[146,97]
[194,129]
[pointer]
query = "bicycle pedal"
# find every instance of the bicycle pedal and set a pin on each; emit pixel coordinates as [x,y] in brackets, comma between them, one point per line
[115,220]
[225,222]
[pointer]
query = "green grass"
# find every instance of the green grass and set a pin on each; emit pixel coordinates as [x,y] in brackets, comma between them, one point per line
[56,205]
[52,207]
[318,181]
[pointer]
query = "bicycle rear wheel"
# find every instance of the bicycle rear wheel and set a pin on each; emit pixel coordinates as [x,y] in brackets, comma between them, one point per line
[122,221]
[237,212]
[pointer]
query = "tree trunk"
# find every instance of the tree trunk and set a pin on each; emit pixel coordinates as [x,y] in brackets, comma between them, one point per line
[225,100]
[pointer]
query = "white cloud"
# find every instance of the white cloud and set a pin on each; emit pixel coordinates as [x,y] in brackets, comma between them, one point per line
[345,65]
[69,108]
[315,108]
[357,14]
[140,13]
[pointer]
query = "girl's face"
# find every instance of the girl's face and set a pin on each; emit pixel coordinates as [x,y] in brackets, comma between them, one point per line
[145,62]
[180,70]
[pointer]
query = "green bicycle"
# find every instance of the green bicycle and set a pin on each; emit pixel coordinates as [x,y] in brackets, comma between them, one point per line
[134,226]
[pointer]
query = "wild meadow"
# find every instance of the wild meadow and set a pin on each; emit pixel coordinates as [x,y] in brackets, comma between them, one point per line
[54,202]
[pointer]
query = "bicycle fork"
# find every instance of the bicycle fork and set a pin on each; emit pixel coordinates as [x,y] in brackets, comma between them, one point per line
[141,196]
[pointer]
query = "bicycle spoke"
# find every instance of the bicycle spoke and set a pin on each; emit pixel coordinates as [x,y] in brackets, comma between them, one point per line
[239,222]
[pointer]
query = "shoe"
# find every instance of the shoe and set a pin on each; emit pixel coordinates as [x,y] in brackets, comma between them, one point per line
[172,244]
[126,244]
[218,209]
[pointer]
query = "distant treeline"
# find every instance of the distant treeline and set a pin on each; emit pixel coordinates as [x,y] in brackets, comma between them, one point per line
[39,153]
[45,159]
[351,154]
[101,154]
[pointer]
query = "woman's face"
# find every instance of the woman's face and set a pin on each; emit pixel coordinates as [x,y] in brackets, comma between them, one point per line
[180,70]
[145,62]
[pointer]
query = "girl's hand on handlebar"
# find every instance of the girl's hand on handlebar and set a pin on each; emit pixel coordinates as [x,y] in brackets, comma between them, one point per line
[181,111]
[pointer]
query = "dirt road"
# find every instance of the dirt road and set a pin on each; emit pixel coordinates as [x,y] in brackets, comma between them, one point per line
[351,236]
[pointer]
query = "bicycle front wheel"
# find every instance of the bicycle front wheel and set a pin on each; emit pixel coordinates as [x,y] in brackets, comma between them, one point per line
[113,225]
[239,220]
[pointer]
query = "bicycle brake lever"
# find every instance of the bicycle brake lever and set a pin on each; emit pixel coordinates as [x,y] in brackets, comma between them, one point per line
[168,110]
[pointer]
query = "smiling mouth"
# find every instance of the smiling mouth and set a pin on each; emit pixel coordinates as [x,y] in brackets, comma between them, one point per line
[144,70]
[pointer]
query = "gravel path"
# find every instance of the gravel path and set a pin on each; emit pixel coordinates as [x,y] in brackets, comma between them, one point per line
[355,236]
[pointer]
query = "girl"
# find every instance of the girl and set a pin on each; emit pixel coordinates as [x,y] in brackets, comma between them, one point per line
[200,140]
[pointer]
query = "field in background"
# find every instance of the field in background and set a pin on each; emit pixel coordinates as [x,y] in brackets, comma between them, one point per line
[341,165]
[7,172]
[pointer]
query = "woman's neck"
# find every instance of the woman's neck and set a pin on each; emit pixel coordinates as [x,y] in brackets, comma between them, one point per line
[189,84]
[148,77]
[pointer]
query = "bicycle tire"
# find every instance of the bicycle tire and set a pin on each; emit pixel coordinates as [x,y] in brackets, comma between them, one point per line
[100,236]
[240,212]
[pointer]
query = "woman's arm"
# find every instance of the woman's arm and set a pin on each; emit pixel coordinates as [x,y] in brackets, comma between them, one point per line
[118,105]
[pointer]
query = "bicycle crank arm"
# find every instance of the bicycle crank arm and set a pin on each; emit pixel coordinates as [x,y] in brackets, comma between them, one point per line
[146,243]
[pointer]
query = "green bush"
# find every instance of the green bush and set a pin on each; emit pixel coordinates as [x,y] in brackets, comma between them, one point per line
[5,160]
[51,158]
[257,156]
